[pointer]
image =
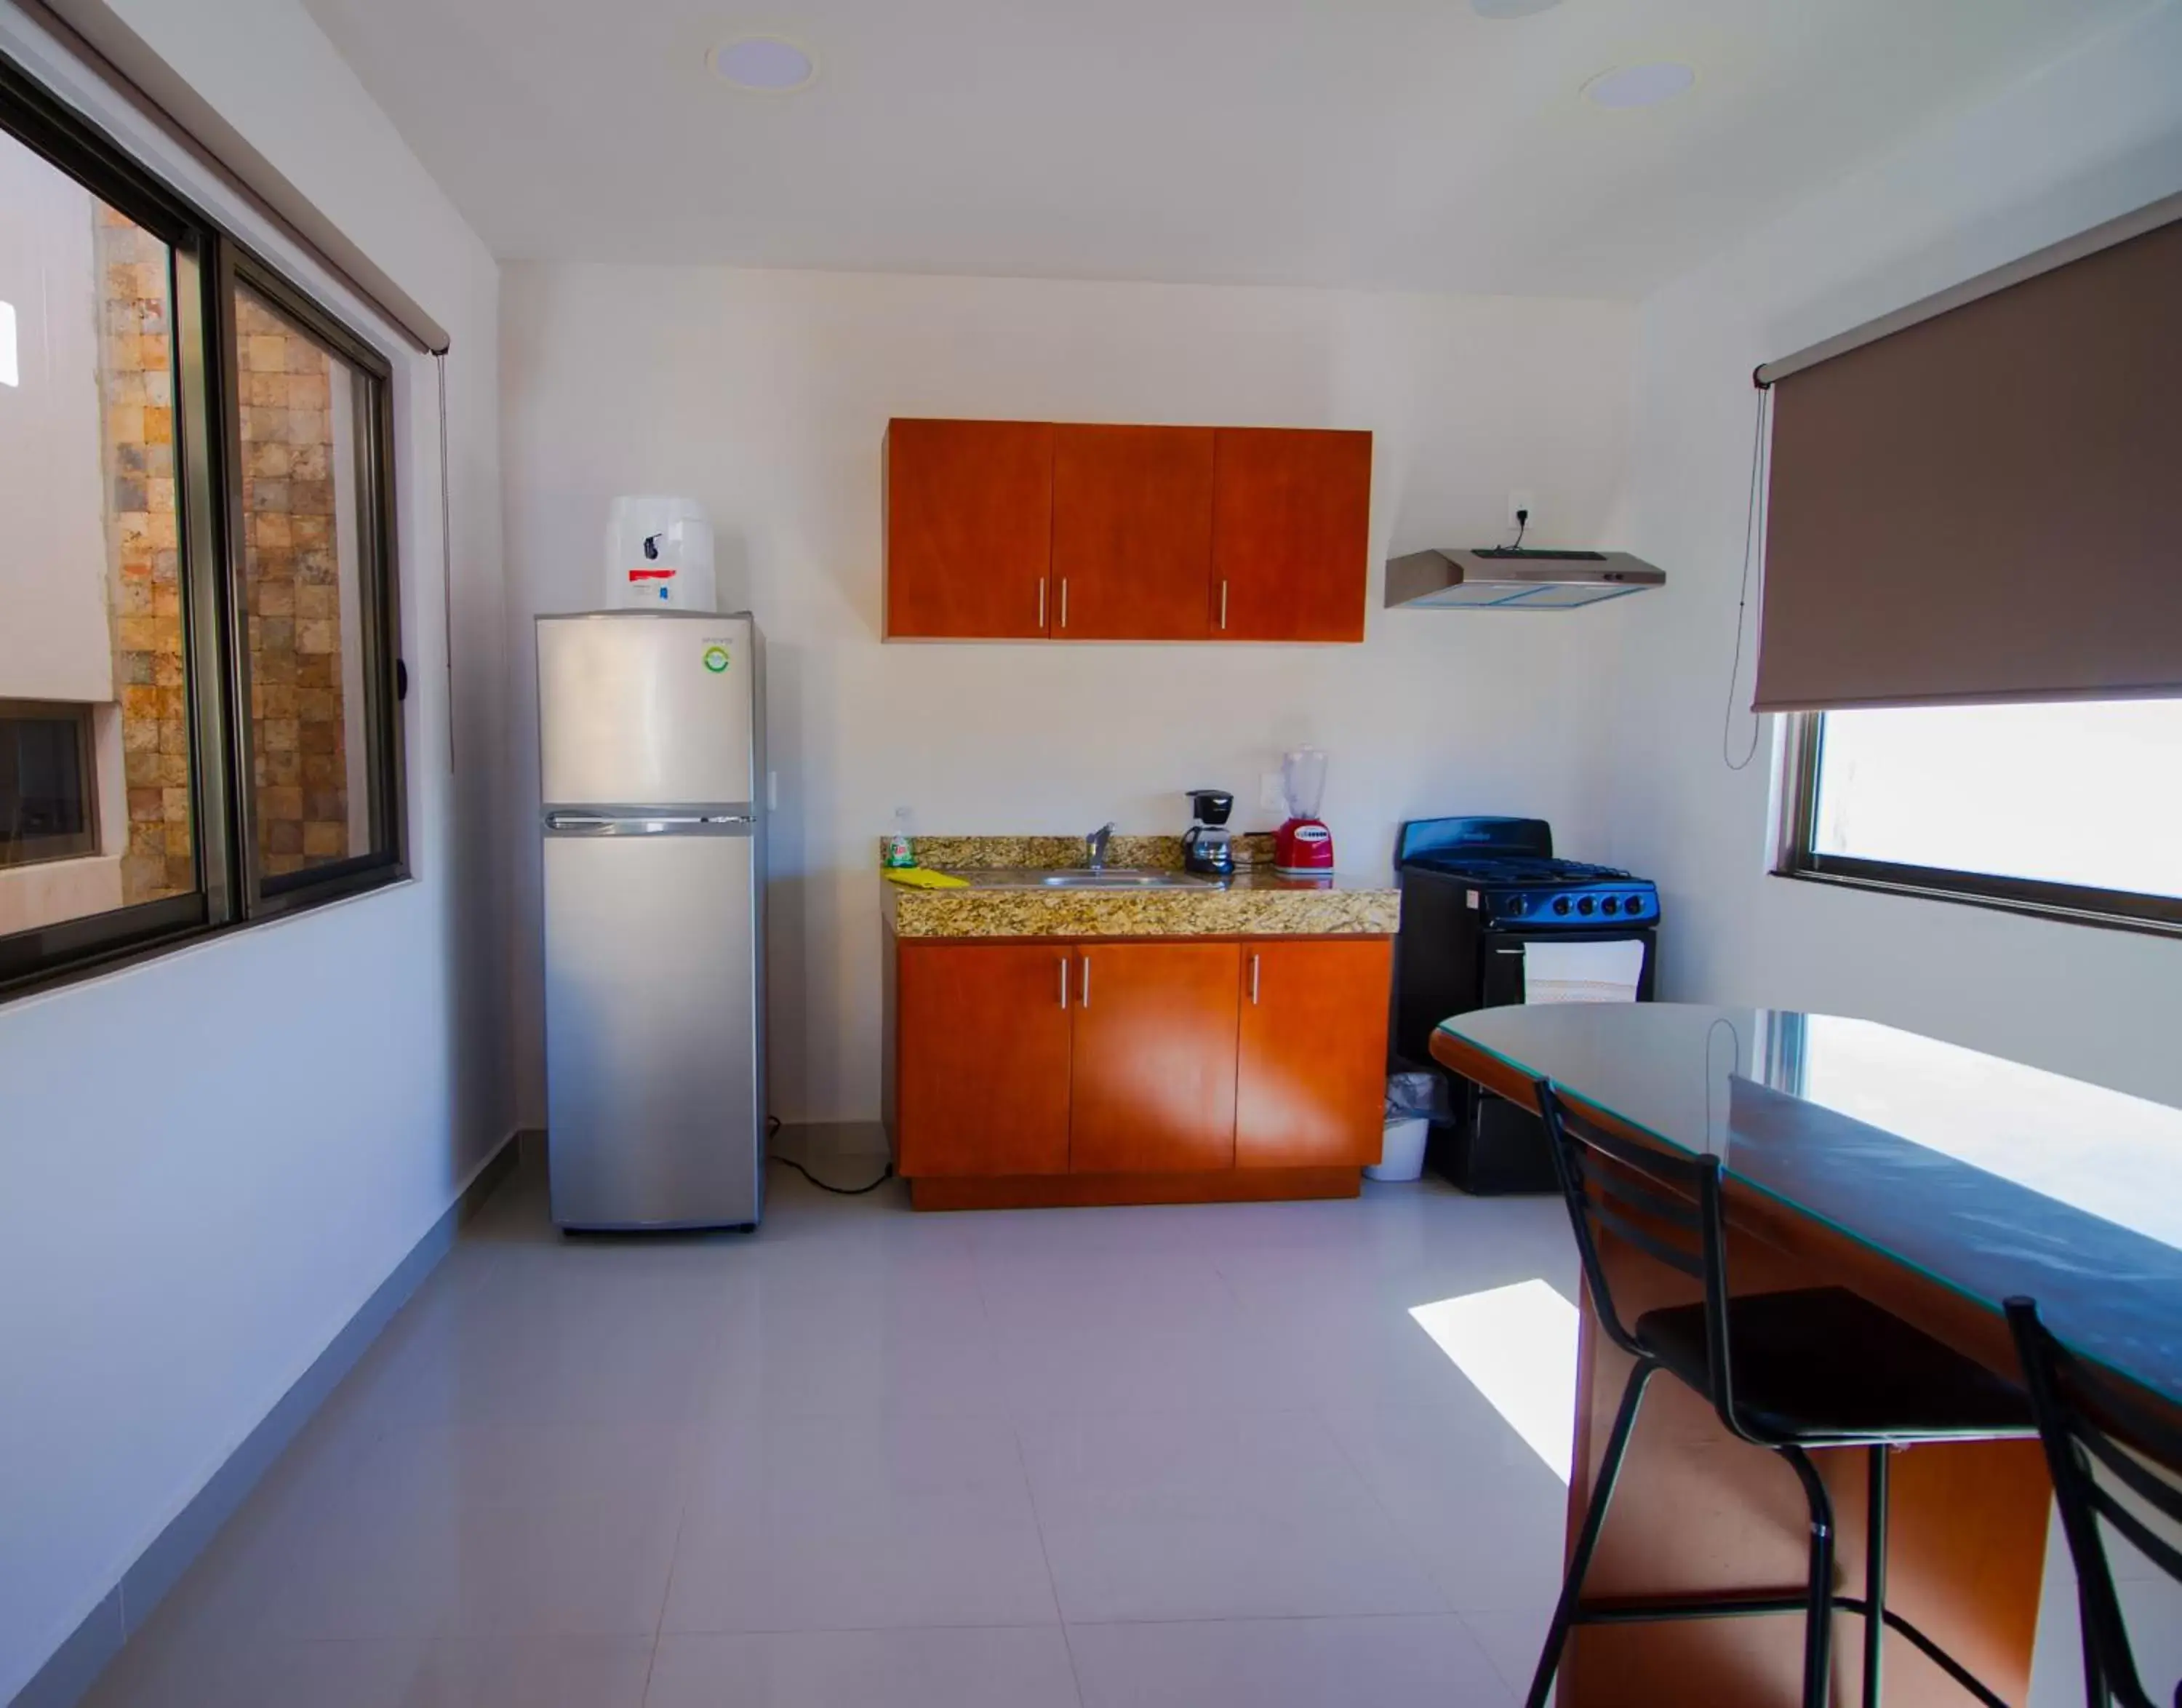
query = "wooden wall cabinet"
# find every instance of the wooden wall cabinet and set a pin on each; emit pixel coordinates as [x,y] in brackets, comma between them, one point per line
[1291,518]
[1172,1069]
[1132,533]
[1030,530]
[969,530]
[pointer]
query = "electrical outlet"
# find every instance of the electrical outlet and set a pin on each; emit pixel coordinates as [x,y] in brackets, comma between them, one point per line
[1271,799]
[1522,498]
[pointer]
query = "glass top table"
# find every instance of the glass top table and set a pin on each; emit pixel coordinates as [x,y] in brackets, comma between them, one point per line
[1989,1177]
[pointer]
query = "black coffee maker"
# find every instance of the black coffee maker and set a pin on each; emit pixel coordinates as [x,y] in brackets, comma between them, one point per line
[1206,846]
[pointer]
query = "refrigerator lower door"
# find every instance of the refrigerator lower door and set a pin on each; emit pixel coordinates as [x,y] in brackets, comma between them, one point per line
[653,1047]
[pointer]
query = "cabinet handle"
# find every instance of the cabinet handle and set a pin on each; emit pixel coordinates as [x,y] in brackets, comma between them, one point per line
[1041,604]
[1064,602]
[1253,981]
[1223,604]
[1064,982]
[1087,981]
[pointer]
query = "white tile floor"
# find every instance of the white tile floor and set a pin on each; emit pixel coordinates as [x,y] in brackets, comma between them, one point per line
[1192,1456]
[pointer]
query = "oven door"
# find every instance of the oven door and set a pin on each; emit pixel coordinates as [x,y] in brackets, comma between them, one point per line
[1501,975]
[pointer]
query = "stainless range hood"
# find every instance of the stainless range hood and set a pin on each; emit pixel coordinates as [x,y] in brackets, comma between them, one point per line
[1507,578]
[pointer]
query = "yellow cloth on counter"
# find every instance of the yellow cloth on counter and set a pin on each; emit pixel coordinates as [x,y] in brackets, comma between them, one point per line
[920,877]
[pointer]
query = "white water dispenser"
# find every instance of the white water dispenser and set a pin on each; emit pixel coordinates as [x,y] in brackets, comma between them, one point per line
[659,554]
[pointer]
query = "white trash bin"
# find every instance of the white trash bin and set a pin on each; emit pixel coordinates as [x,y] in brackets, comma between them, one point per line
[1402,1153]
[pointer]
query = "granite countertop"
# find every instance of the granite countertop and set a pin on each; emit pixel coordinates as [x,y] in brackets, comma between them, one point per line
[1005,898]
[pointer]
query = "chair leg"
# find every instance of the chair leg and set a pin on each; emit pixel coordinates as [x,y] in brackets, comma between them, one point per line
[1818,1614]
[2095,1681]
[1875,1573]
[1594,1518]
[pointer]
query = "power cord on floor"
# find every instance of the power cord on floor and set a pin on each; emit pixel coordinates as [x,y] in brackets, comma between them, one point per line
[772,1126]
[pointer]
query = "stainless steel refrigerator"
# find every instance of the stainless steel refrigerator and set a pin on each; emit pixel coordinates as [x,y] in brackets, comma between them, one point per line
[652,756]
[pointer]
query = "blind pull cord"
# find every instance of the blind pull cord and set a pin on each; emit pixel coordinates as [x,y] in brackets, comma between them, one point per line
[1750,539]
[447,558]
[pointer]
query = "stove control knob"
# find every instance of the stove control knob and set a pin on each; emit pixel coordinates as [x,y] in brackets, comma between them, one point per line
[1636,905]
[1612,904]
[1584,906]
[1560,904]
[1516,903]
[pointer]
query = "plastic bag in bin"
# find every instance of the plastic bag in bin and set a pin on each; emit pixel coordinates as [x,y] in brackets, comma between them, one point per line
[1418,1091]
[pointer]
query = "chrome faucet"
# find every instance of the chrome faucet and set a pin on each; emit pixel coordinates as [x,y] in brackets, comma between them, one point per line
[1094,846]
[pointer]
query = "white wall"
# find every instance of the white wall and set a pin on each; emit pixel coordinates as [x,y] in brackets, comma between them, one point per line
[2093,136]
[208,1163]
[764,395]
[55,644]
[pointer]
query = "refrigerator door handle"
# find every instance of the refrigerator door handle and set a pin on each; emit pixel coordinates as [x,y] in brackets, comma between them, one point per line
[650,824]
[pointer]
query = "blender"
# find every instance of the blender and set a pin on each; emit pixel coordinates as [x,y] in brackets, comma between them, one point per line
[1207,845]
[1303,847]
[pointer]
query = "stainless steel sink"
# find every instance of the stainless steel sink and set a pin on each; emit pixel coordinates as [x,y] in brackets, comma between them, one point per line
[1083,877]
[1120,877]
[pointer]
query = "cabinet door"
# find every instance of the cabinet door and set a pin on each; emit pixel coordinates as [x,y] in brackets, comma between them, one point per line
[982,1065]
[1153,1081]
[969,528]
[1290,529]
[1131,532]
[1311,1075]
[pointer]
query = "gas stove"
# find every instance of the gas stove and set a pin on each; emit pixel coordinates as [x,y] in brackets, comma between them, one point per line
[1508,869]
[1477,895]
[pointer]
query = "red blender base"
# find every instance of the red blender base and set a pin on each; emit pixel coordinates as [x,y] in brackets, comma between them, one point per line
[1303,848]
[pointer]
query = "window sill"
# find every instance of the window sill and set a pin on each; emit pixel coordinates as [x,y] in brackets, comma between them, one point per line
[2063,913]
[194,940]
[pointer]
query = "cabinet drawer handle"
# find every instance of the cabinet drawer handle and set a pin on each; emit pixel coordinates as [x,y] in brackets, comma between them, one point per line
[1254,980]
[1064,602]
[1087,981]
[1223,604]
[1064,981]
[1041,604]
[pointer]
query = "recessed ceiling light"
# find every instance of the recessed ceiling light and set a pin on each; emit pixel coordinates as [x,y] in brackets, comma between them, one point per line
[1511,9]
[1639,85]
[765,64]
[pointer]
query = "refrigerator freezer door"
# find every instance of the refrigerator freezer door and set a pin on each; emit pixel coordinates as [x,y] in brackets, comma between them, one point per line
[653,1077]
[646,708]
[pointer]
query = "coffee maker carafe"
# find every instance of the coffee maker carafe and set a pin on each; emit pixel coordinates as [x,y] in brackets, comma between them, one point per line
[1206,845]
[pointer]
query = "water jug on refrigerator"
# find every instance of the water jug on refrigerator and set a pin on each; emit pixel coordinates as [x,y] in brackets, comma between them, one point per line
[652,757]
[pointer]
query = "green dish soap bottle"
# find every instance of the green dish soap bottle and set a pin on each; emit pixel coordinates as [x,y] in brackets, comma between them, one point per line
[901,847]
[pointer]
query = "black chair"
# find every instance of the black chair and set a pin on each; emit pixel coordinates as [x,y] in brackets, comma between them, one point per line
[1815,1367]
[2065,1395]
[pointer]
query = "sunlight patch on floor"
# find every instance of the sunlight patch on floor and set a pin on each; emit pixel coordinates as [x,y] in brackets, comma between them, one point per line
[1517,1344]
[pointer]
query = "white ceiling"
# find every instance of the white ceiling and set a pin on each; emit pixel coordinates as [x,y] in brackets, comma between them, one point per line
[1385,143]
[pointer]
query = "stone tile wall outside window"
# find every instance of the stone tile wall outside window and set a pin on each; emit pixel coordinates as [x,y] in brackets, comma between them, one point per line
[138,397]
[291,577]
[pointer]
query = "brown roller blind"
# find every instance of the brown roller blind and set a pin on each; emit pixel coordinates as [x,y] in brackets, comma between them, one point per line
[1986,502]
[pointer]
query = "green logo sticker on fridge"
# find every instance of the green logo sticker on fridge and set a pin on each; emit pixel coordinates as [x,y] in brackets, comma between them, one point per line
[715,659]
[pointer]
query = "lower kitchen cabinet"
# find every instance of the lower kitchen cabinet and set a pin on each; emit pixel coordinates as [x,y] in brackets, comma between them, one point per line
[1311,1060]
[1154,1080]
[1171,1069]
[982,1045]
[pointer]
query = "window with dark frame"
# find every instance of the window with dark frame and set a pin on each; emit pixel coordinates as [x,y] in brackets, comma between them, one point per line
[199,685]
[48,804]
[2066,810]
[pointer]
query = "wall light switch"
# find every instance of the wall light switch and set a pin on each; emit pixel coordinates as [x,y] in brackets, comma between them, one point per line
[1270,797]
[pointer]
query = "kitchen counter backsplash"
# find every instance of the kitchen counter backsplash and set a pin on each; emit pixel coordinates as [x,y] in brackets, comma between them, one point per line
[1254,851]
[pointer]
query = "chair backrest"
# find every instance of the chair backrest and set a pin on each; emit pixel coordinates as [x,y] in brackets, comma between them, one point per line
[2077,1409]
[1667,1207]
